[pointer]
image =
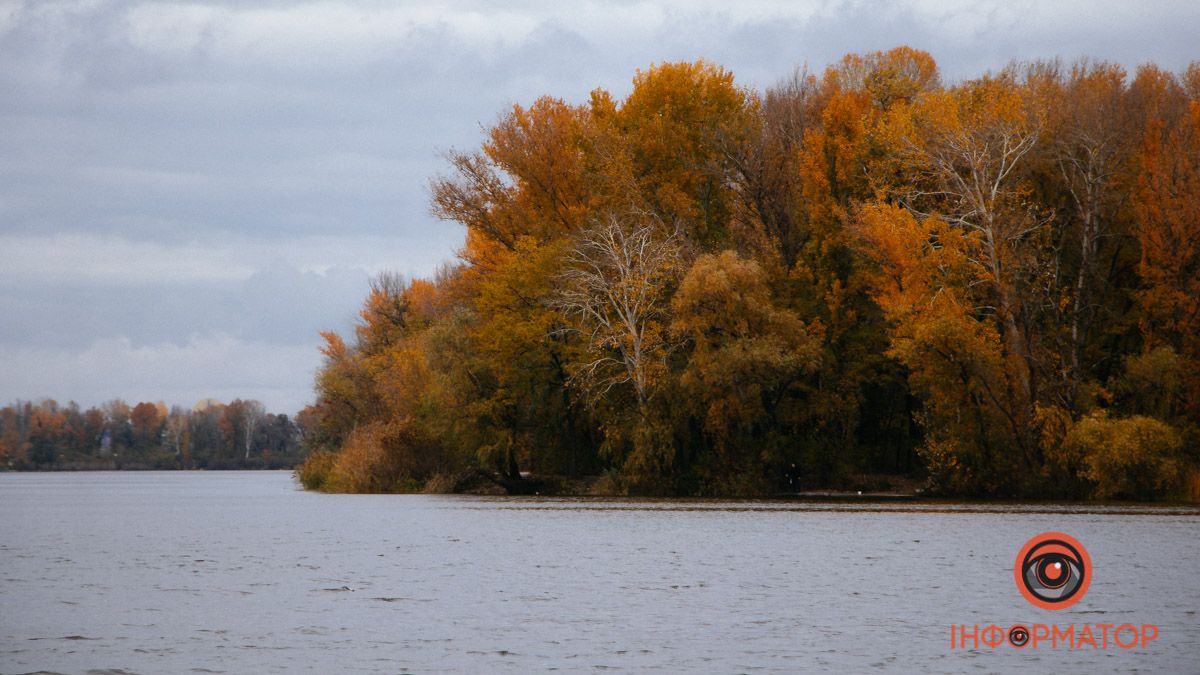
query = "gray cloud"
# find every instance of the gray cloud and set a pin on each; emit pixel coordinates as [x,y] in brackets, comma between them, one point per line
[278,305]
[213,181]
[215,366]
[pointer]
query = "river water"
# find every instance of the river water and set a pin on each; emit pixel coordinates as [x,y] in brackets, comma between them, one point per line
[202,572]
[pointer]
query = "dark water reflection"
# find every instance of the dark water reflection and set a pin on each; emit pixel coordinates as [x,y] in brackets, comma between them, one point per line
[241,572]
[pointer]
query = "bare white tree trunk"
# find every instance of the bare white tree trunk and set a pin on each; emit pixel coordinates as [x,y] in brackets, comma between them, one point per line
[253,414]
[614,293]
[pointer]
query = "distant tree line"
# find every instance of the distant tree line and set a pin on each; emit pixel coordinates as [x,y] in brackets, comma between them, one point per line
[704,289]
[238,435]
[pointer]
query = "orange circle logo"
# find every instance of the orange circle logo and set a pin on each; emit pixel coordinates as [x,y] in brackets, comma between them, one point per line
[1053,570]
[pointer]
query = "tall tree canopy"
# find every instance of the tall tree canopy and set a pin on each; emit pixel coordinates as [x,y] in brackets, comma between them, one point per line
[704,289]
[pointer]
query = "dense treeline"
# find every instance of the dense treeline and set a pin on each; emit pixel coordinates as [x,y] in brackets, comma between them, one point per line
[702,289]
[240,435]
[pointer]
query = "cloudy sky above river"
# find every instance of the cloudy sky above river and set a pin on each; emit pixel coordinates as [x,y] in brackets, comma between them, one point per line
[190,191]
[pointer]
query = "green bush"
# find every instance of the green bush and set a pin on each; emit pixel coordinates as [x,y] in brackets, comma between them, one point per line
[1151,384]
[314,472]
[1132,458]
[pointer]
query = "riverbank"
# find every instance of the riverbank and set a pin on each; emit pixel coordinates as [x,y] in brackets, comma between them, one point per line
[481,483]
[865,488]
[254,464]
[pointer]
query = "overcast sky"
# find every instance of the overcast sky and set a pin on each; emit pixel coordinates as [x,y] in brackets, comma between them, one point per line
[190,191]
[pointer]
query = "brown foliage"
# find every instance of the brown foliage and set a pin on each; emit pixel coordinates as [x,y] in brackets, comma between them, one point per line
[711,285]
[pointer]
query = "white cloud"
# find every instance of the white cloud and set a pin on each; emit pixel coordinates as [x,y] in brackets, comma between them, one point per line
[319,35]
[214,366]
[105,259]
[172,28]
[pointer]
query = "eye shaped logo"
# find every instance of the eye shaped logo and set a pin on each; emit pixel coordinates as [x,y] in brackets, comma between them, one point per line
[1018,636]
[1053,570]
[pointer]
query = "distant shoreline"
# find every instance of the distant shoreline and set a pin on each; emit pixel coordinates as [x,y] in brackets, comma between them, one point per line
[289,465]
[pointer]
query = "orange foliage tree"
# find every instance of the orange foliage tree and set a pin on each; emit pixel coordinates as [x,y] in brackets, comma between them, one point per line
[1167,204]
[704,289]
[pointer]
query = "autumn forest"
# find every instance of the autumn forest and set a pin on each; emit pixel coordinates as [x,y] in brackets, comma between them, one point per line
[45,435]
[991,286]
[857,277]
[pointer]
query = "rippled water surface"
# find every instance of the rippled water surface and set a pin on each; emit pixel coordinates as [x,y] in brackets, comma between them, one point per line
[243,572]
